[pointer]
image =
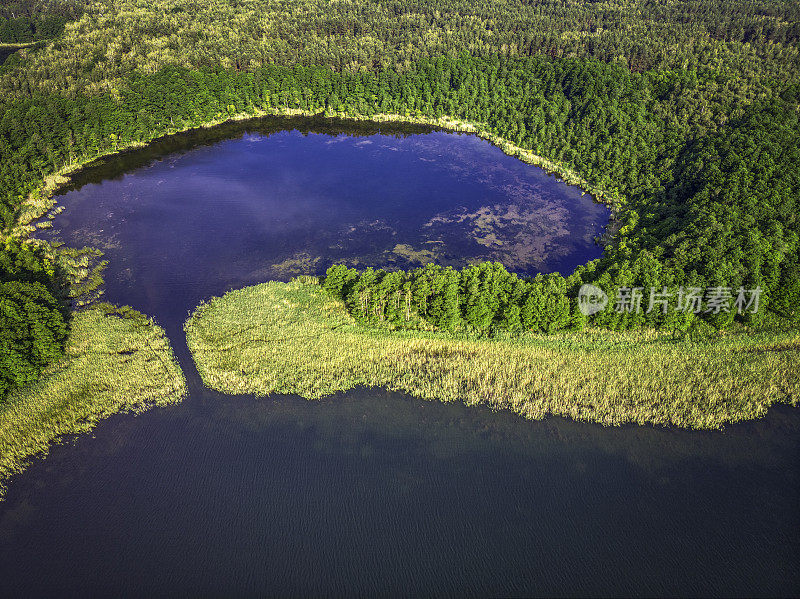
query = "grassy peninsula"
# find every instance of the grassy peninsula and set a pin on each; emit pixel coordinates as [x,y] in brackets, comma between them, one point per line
[117,360]
[296,338]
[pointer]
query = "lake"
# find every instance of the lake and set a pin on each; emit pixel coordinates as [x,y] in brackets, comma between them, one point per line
[371,492]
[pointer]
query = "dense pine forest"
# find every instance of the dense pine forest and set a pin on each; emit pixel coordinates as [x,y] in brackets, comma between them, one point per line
[682,115]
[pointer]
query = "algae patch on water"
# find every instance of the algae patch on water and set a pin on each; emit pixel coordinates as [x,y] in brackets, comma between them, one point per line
[117,360]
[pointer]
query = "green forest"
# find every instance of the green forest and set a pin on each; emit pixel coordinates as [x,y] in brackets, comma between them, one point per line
[25,22]
[681,115]
[33,320]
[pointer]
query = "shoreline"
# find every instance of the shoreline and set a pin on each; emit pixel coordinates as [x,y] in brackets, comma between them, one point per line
[22,437]
[295,338]
[116,361]
[40,202]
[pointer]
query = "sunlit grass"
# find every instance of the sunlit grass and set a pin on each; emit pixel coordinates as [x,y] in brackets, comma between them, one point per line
[295,338]
[116,361]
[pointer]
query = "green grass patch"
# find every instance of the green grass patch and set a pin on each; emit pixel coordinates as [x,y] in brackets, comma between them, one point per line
[296,338]
[117,360]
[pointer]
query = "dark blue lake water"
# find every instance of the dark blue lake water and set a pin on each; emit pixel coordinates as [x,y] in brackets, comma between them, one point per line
[273,204]
[373,493]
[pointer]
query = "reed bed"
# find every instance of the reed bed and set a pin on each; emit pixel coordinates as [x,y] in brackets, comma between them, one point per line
[295,338]
[116,360]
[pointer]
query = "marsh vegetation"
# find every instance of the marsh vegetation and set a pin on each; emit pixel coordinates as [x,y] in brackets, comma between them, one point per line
[296,338]
[115,360]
